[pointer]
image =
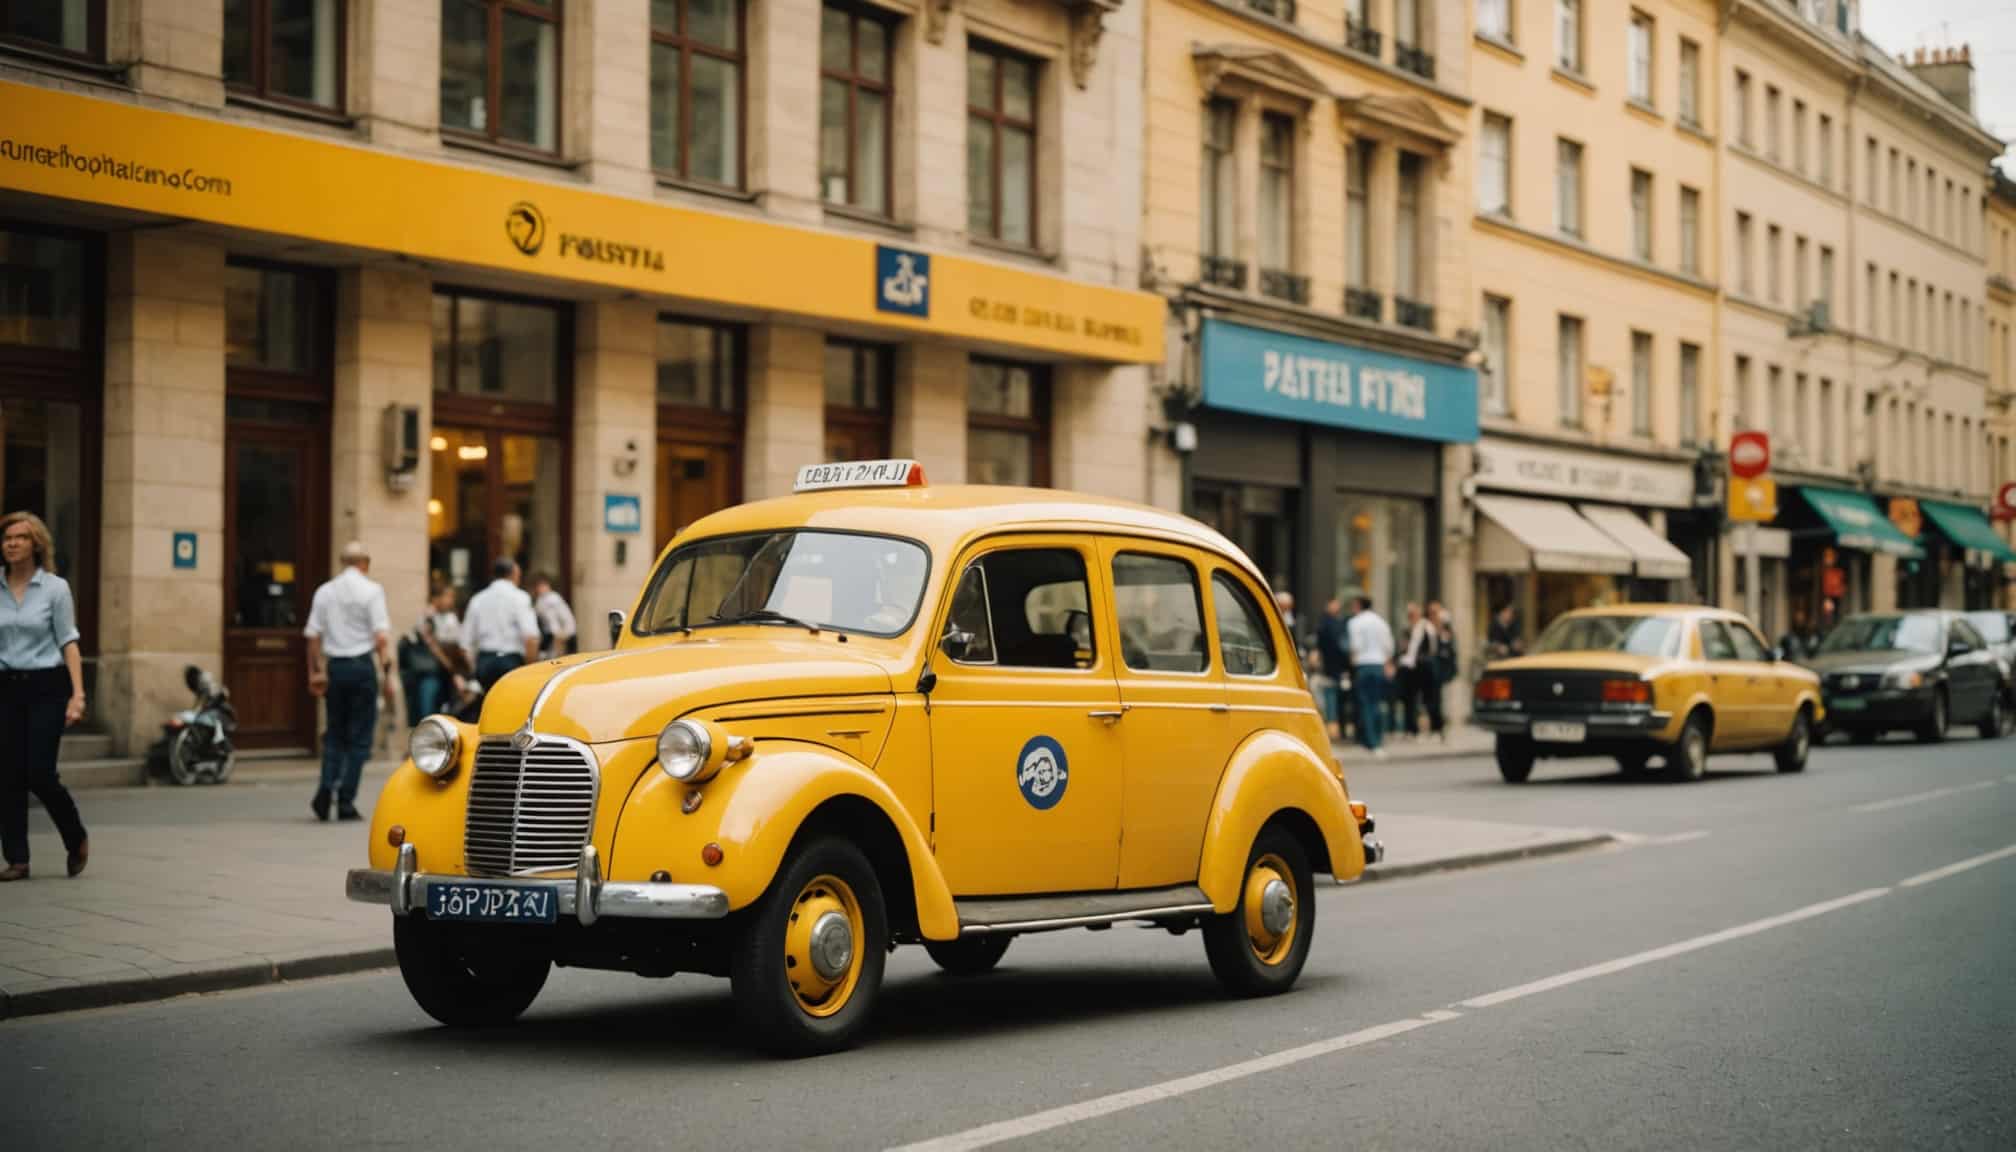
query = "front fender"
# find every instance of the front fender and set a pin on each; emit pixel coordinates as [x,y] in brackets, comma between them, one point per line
[433,812]
[1270,773]
[753,810]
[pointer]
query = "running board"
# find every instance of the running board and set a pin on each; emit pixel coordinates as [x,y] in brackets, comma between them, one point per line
[979,917]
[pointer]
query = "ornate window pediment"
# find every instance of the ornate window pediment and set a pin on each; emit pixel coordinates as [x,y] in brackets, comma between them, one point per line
[1401,118]
[1240,69]
[1088,24]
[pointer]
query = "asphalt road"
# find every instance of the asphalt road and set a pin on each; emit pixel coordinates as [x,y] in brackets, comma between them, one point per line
[1765,962]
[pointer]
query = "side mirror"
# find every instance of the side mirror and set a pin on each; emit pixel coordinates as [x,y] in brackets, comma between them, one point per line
[615,626]
[1957,648]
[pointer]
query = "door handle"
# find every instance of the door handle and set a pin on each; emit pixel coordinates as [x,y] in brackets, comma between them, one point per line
[1110,715]
[1221,708]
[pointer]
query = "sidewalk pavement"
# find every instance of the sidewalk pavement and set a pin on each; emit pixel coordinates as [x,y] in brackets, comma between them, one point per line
[202,889]
[1463,741]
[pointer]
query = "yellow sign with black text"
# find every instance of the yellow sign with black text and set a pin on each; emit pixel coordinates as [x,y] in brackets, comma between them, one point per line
[119,154]
[1754,499]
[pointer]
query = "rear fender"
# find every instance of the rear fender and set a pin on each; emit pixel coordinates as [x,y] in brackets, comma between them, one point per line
[1270,774]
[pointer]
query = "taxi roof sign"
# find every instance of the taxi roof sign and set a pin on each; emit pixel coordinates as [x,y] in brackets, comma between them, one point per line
[860,474]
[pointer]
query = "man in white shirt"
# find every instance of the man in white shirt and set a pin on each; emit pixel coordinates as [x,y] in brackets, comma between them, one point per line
[349,659]
[1371,667]
[499,630]
[556,619]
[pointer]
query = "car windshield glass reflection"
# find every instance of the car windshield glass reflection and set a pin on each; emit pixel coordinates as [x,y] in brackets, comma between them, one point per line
[1884,633]
[1638,635]
[845,581]
[1993,626]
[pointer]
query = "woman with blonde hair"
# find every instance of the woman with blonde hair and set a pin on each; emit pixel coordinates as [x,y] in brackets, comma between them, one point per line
[41,692]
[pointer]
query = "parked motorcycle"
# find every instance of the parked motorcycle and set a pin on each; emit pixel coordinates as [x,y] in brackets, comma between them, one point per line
[195,745]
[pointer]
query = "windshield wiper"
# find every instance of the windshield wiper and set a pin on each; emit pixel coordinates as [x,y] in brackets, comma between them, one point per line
[765,616]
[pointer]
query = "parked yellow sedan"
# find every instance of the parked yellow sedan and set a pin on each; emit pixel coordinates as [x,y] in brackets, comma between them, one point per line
[1645,680]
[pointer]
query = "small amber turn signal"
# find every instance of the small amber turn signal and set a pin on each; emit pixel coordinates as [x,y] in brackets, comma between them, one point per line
[710,854]
[1358,811]
[395,835]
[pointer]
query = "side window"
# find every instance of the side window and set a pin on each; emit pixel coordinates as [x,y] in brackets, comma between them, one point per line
[1156,601]
[1715,642]
[1245,643]
[1748,646]
[1963,631]
[1026,608]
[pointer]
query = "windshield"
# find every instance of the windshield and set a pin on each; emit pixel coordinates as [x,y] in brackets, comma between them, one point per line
[1638,635]
[1993,626]
[846,581]
[1884,633]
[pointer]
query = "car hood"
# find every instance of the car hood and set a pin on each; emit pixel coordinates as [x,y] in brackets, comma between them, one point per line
[635,691]
[1872,661]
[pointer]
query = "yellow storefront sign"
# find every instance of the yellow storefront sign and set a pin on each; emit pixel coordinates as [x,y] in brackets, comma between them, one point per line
[1755,499]
[118,154]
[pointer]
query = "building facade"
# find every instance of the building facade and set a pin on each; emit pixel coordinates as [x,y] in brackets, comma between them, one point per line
[2001,223]
[539,280]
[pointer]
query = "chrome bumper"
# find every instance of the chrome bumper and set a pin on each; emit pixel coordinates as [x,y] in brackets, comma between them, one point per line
[1374,851]
[583,896]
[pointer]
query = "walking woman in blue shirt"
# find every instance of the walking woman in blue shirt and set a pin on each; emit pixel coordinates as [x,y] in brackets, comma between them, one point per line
[41,692]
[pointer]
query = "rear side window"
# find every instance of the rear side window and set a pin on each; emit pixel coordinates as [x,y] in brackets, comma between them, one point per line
[1023,608]
[1715,642]
[1156,601]
[1245,643]
[1748,646]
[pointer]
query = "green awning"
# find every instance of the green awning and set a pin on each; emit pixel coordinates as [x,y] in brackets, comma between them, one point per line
[1858,524]
[1968,528]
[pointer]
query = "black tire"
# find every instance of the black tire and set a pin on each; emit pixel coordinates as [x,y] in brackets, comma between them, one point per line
[787,1007]
[1791,755]
[1244,963]
[1933,730]
[968,955]
[1633,763]
[1687,759]
[1864,735]
[1515,758]
[1993,723]
[468,975]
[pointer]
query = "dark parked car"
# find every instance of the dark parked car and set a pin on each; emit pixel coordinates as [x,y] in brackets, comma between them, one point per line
[1999,629]
[1910,671]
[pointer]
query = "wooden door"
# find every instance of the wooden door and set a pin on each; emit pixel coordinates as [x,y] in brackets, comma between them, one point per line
[274,546]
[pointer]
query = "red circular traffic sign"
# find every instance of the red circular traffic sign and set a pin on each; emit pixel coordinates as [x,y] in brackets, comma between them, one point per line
[2005,502]
[1749,455]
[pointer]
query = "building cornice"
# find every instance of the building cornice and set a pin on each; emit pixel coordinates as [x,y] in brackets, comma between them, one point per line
[1335,52]
[1266,312]
[1915,232]
[1515,230]
[1789,29]
[1510,428]
[1750,154]
[1909,93]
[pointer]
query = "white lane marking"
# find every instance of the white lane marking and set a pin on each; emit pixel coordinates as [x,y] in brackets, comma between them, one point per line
[1957,868]
[1005,1130]
[1669,951]
[1920,797]
[1667,838]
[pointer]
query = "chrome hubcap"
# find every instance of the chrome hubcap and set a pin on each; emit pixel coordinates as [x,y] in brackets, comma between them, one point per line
[832,946]
[1277,907]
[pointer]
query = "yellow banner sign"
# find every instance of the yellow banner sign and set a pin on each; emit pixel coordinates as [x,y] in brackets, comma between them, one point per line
[1753,499]
[119,154]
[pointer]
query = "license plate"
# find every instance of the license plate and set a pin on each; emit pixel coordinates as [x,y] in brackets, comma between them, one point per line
[1847,704]
[492,903]
[1559,732]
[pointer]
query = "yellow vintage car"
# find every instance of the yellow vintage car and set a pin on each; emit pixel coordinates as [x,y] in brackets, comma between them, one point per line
[1645,680]
[876,713]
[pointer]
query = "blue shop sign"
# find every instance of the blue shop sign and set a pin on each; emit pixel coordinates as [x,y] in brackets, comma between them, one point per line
[1318,382]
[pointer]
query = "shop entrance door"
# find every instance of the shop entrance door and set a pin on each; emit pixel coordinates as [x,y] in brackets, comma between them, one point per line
[275,537]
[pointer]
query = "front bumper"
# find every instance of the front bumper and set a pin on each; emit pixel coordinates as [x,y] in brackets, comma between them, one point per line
[1878,711]
[583,896]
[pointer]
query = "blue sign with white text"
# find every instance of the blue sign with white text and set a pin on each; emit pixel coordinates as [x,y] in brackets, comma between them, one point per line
[902,281]
[622,513]
[1319,382]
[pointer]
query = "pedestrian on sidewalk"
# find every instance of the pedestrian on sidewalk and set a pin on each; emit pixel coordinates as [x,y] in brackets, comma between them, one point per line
[41,692]
[349,663]
[499,630]
[1371,668]
[1331,643]
[1444,668]
[556,619]
[428,657]
[1501,641]
[1411,654]
[1421,688]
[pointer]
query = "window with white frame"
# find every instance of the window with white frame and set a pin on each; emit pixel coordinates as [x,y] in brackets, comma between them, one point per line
[1745,262]
[1690,394]
[1494,166]
[1824,292]
[1798,421]
[1494,20]
[1638,54]
[1824,139]
[1358,215]
[1407,232]
[1828,448]
[1277,192]
[1744,132]
[1772,236]
[1568,35]
[1771,115]
[1690,82]
[1742,413]
[1220,181]
[1568,187]
[1799,136]
[1497,349]
[1568,369]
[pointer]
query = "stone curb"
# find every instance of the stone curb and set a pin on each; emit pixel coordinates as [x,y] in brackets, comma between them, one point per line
[106,993]
[1494,856]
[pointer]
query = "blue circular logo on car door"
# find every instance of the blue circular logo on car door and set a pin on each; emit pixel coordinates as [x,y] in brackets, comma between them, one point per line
[1041,772]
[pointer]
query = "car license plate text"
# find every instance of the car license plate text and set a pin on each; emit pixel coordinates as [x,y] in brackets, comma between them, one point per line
[495,903]
[1559,732]
[1847,704]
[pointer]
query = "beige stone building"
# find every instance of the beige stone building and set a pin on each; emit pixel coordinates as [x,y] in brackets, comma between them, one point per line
[2001,225]
[541,280]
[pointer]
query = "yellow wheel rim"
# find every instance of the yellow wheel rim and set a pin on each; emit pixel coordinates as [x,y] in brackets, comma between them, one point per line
[822,945]
[1273,909]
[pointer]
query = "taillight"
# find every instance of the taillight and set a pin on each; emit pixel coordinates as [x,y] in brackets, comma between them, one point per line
[1627,692]
[1494,690]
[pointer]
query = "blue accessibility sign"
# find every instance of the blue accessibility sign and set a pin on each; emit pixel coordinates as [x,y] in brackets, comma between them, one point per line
[1042,772]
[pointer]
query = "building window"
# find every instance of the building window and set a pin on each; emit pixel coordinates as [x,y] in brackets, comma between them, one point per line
[1743,414]
[1825,296]
[1771,129]
[699,369]
[1494,166]
[1641,215]
[1568,35]
[1690,395]
[1772,236]
[1494,20]
[1796,426]
[282,50]
[1774,401]
[1745,279]
[1638,47]
[500,71]
[274,320]
[857,400]
[1361,301]
[1872,323]
[497,349]
[1408,237]
[1497,349]
[1894,203]
[1690,83]
[1826,150]
[1744,134]
[1277,209]
[1007,423]
[1690,231]
[73,27]
[1568,369]
[1219,196]
[1641,384]
[1001,145]
[1799,136]
[696,90]
[1870,154]
[1568,187]
[1829,424]
[1910,206]
[1799,297]
[855,95]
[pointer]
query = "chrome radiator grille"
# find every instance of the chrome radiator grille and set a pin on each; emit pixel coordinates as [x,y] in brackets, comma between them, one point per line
[531,810]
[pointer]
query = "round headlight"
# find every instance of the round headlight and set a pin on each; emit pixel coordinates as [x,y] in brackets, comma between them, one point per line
[683,748]
[434,747]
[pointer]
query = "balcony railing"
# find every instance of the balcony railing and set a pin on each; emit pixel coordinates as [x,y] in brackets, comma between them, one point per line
[1225,273]
[1284,286]
[1279,9]
[1413,314]
[1360,37]
[1362,305]
[1419,61]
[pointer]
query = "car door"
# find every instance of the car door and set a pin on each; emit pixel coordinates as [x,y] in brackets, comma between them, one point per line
[1026,717]
[1772,687]
[1175,736]
[1971,670]
[1729,686]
